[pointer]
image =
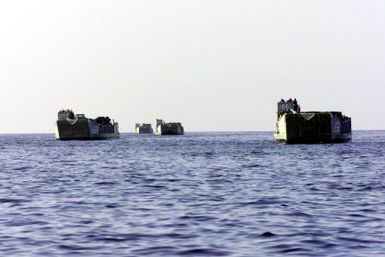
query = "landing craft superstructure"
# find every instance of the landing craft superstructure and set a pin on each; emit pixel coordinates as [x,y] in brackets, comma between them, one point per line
[169,128]
[70,126]
[296,127]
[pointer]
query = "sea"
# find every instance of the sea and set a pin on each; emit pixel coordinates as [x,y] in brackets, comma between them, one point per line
[201,194]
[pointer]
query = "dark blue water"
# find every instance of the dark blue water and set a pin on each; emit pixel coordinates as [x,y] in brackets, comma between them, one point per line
[202,194]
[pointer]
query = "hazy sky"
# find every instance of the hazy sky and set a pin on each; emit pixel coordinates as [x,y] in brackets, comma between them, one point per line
[214,65]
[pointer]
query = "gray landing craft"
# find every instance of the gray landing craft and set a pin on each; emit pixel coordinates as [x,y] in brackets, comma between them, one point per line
[169,128]
[143,128]
[77,127]
[296,127]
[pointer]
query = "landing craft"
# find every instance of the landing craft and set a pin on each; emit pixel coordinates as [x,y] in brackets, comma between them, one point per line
[143,128]
[296,127]
[169,128]
[70,126]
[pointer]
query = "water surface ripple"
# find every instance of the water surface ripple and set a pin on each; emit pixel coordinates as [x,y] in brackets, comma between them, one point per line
[202,194]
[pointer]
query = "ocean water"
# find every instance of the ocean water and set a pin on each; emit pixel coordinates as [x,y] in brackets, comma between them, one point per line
[202,194]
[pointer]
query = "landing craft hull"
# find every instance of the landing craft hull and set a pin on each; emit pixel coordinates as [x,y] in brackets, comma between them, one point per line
[343,139]
[170,130]
[85,130]
[313,128]
[141,131]
[170,133]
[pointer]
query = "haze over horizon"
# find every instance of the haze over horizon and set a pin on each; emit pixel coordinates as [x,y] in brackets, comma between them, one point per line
[212,65]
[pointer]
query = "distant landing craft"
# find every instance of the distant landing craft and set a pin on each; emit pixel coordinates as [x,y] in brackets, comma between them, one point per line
[169,128]
[143,128]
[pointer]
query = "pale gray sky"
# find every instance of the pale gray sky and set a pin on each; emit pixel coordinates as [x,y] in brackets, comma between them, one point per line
[214,65]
